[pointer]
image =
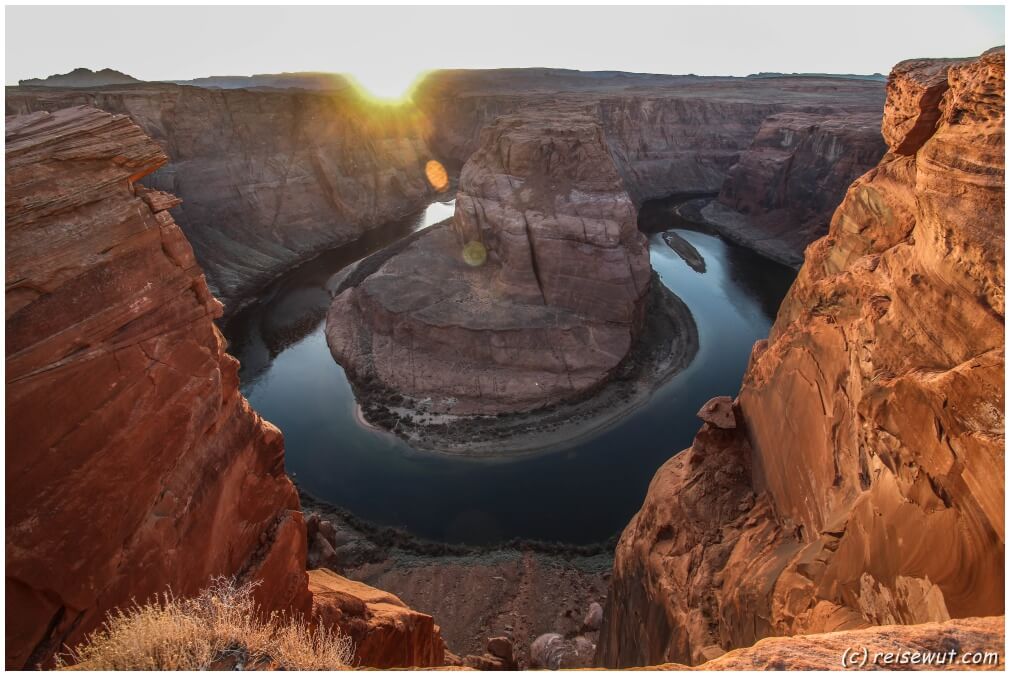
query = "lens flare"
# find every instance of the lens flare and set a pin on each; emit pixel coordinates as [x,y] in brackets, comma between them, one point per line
[474,254]
[437,176]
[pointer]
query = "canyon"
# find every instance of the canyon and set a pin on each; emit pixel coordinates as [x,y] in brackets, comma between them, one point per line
[267,178]
[853,485]
[857,479]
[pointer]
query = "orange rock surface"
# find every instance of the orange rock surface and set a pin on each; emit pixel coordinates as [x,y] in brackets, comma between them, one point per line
[386,633]
[133,463]
[864,482]
[976,643]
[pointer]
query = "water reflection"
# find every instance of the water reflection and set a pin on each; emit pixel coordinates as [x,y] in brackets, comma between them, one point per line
[580,494]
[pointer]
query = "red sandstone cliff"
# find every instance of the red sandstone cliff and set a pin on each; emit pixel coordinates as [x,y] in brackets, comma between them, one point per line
[133,463]
[859,478]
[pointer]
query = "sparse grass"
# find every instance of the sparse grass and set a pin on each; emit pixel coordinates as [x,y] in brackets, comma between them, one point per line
[220,628]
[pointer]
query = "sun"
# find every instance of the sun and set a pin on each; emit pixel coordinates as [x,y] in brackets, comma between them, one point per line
[383,85]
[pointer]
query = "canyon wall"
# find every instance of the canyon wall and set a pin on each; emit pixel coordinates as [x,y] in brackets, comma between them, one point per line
[780,195]
[668,134]
[858,479]
[268,178]
[133,463]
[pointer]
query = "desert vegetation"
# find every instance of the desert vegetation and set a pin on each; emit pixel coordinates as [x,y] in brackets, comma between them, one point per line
[220,628]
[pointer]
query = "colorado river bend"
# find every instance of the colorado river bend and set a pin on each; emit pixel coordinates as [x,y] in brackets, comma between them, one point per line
[578,493]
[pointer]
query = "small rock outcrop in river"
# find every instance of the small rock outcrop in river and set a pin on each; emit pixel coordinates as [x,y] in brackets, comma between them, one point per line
[862,480]
[547,311]
[133,463]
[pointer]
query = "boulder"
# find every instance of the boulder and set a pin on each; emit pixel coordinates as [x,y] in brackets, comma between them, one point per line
[594,618]
[386,633]
[554,651]
[718,412]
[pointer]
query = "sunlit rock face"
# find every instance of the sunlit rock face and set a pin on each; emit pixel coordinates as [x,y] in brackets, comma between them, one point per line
[133,464]
[268,178]
[385,632]
[532,295]
[863,483]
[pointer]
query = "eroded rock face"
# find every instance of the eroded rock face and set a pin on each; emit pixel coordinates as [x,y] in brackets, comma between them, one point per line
[267,178]
[271,176]
[543,196]
[864,482]
[779,151]
[550,310]
[386,633]
[781,193]
[133,463]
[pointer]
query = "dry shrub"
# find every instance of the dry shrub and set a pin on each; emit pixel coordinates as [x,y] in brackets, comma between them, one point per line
[220,628]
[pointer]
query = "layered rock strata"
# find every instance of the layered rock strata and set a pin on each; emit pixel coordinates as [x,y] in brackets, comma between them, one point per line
[780,151]
[858,479]
[268,178]
[668,134]
[133,464]
[781,193]
[548,309]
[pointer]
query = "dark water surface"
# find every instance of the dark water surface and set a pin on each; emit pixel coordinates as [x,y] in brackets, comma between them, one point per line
[579,495]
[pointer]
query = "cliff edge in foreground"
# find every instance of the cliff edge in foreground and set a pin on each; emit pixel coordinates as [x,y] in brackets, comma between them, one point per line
[858,479]
[133,463]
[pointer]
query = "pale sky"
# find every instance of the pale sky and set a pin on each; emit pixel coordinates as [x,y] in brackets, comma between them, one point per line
[387,47]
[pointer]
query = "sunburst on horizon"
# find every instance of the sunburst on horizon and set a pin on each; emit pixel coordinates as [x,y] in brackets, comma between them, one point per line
[384,85]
